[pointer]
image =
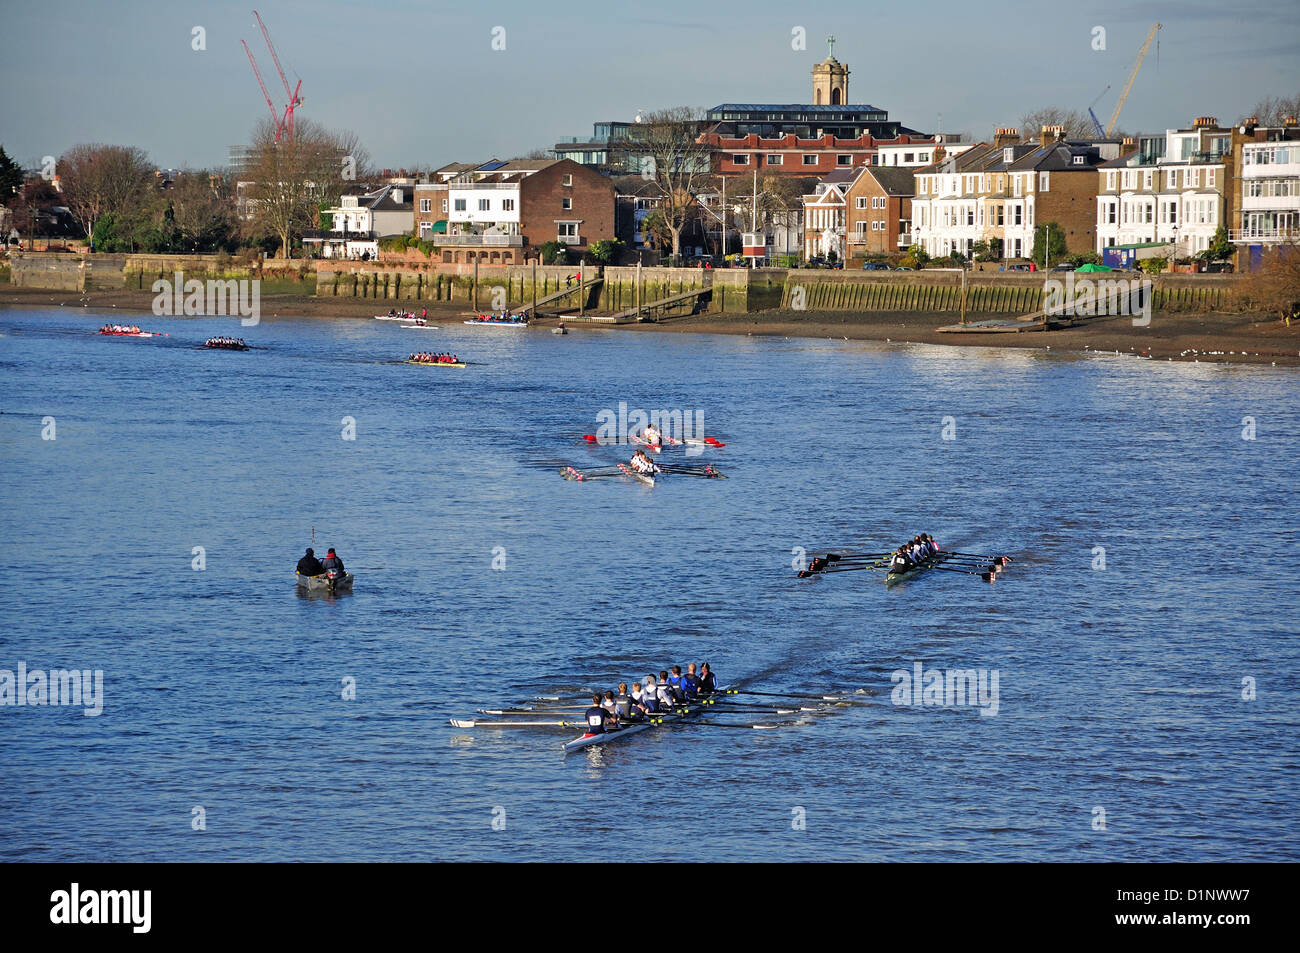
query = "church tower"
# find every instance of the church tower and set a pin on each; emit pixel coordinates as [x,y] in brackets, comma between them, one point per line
[830,79]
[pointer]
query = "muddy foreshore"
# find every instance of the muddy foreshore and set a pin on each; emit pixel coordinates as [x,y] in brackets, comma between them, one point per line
[1227,338]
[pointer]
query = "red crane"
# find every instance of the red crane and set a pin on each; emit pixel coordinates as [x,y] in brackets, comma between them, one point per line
[282,123]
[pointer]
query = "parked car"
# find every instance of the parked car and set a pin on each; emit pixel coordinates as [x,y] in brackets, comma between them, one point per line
[1063,267]
[875,266]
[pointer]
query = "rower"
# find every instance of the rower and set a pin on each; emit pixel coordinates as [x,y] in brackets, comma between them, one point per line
[651,435]
[623,702]
[309,565]
[610,706]
[664,692]
[598,719]
[332,562]
[676,684]
[708,682]
[691,683]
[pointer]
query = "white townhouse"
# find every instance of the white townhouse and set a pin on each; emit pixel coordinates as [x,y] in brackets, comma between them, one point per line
[1267,163]
[1176,190]
[360,220]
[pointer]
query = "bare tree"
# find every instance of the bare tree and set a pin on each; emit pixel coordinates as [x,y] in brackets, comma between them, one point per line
[1077,123]
[201,210]
[100,180]
[668,148]
[293,178]
[1275,287]
[1272,110]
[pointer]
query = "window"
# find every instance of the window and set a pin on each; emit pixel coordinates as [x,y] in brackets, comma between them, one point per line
[740,158]
[923,157]
[810,159]
[862,201]
[1110,181]
[844,160]
[568,230]
[1173,178]
[774,160]
[444,206]
[567,180]
[460,205]
[484,205]
[1147,179]
[862,227]
[1043,181]
[566,203]
[1078,160]
[426,205]
[507,205]
[1001,215]
[1210,177]
[909,156]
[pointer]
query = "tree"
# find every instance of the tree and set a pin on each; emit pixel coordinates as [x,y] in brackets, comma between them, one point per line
[777,204]
[1220,248]
[292,177]
[201,211]
[916,257]
[104,180]
[1078,124]
[667,148]
[11,177]
[606,252]
[553,253]
[1272,110]
[1056,247]
[1154,266]
[1275,287]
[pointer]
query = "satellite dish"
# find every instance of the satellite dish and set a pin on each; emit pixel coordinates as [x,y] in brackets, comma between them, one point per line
[638,117]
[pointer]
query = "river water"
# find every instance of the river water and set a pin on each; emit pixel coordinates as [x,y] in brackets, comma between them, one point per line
[1146,710]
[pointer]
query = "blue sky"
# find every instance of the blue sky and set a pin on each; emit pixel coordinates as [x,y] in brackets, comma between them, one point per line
[421,84]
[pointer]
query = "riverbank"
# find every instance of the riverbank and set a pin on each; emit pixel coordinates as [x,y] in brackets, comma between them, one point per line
[1228,338]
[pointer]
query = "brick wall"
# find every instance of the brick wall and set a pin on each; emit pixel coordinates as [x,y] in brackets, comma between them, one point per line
[542,203]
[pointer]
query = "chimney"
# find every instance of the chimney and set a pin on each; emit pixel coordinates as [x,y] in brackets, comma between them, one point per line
[1127,146]
[1005,136]
[398,196]
[1288,120]
[1051,134]
[1205,122]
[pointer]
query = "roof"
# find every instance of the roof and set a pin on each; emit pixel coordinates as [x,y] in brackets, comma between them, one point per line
[796,107]
[892,179]
[1059,157]
[980,152]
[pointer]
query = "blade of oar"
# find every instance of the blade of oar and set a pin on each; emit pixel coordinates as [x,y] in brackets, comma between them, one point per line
[1005,559]
[986,576]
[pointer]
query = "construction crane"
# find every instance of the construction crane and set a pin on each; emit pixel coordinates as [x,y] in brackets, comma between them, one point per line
[1114,117]
[283,123]
[1101,130]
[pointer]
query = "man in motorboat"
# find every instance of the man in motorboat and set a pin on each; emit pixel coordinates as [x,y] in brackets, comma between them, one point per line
[309,565]
[332,563]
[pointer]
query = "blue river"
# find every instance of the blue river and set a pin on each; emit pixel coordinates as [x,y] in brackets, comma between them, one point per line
[156,497]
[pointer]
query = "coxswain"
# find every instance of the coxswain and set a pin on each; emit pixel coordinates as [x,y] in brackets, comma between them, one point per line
[309,565]
[652,436]
[332,562]
[598,719]
[708,682]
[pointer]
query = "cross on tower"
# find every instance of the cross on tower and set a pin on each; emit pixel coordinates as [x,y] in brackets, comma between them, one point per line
[830,47]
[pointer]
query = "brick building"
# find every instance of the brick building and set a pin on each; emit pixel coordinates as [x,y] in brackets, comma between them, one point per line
[878,212]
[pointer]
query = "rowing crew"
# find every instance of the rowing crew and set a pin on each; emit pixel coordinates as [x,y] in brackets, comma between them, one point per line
[913,553]
[503,317]
[224,342]
[119,329]
[424,357]
[654,696]
[642,463]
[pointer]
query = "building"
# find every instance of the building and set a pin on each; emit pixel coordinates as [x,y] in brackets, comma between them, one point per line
[360,220]
[996,193]
[1266,166]
[813,139]
[431,205]
[502,212]
[878,211]
[239,160]
[824,215]
[914,155]
[1175,189]
[607,149]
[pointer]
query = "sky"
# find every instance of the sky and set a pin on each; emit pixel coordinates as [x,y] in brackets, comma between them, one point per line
[422,85]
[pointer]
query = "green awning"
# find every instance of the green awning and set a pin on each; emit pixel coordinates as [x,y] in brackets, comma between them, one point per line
[1091,267]
[439,228]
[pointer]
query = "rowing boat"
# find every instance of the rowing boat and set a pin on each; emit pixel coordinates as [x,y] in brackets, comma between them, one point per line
[435,363]
[893,578]
[226,347]
[588,740]
[135,334]
[394,317]
[323,582]
[499,324]
[645,478]
[641,441]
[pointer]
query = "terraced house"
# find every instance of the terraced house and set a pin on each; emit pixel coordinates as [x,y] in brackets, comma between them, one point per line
[1001,191]
[1175,190]
[878,211]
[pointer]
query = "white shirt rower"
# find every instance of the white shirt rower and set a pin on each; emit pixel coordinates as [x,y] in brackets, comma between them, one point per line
[652,436]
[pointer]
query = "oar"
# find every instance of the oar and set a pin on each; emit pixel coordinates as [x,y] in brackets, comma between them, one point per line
[749,691]
[481,723]
[1000,560]
[986,576]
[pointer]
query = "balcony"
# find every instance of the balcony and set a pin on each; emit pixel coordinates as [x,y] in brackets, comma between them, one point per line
[569,239]
[480,241]
[905,240]
[1265,235]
